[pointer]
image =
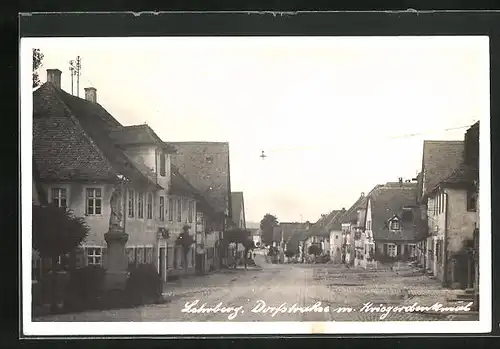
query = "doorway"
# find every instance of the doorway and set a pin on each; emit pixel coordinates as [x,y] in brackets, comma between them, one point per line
[161,262]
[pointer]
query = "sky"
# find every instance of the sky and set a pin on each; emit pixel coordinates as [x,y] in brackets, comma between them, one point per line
[334,115]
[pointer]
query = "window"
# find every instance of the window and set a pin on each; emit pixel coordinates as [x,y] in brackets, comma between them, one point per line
[150,206]
[140,205]
[130,251]
[149,255]
[179,210]
[471,201]
[131,203]
[199,222]
[170,209]
[162,208]
[94,201]
[162,164]
[190,211]
[392,250]
[94,256]
[369,225]
[59,197]
[140,256]
[394,224]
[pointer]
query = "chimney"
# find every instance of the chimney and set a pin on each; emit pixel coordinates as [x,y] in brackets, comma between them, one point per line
[54,77]
[91,94]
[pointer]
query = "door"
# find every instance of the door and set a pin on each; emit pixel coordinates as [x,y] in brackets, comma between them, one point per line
[161,262]
[199,263]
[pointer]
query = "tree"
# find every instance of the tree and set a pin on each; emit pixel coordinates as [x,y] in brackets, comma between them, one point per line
[185,240]
[37,63]
[267,225]
[56,231]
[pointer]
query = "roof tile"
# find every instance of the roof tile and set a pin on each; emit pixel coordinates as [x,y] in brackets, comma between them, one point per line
[206,166]
[440,159]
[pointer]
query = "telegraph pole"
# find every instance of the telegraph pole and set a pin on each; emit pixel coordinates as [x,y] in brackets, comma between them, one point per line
[75,67]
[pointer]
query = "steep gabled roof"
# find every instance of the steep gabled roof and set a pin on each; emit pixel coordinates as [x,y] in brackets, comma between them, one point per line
[71,140]
[206,166]
[388,201]
[325,224]
[291,228]
[238,207]
[439,160]
[179,185]
[351,214]
[138,135]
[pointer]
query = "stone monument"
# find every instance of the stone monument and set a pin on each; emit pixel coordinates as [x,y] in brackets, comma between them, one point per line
[116,238]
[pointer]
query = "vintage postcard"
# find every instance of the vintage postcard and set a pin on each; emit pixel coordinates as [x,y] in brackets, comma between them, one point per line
[255,185]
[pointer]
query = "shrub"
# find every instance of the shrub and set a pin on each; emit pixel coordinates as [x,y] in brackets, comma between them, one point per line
[84,288]
[144,284]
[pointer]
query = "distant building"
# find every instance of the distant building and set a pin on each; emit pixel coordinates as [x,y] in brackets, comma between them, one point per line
[256,236]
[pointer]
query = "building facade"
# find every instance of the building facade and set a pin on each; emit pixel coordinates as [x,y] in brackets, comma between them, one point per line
[84,156]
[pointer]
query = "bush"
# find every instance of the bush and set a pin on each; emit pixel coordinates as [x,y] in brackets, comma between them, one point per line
[84,288]
[144,284]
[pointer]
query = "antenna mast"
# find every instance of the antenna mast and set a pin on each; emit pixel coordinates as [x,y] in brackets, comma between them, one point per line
[75,67]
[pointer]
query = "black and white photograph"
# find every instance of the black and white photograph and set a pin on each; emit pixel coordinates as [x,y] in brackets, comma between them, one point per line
[255,185]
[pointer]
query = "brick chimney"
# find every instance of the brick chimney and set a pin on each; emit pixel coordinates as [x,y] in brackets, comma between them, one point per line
[91,94]
[54,77]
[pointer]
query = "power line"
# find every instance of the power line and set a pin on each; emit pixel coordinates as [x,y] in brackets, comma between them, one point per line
[403,136]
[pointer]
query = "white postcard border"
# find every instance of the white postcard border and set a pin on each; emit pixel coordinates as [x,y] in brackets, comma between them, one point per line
[31,328]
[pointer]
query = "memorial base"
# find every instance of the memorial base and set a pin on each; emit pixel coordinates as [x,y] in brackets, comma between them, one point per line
[115,280]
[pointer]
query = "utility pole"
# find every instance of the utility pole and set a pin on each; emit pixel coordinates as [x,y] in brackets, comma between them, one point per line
[75,67]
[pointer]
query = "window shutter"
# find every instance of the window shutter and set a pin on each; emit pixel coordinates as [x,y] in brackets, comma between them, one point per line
[385,249]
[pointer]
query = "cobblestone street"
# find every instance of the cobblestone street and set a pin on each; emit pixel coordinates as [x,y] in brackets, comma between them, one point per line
[334,289]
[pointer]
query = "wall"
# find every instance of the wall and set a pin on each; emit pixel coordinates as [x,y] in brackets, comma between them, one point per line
[460,221]
[76,193]
[460,228]
[336,246]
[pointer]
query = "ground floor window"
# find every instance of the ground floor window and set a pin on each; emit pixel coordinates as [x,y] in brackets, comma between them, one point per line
[140,254]
[392,250]
[94,255]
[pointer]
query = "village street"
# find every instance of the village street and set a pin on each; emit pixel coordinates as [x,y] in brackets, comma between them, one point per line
[301,284]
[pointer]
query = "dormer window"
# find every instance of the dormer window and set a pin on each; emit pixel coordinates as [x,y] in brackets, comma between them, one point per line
[394,224]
